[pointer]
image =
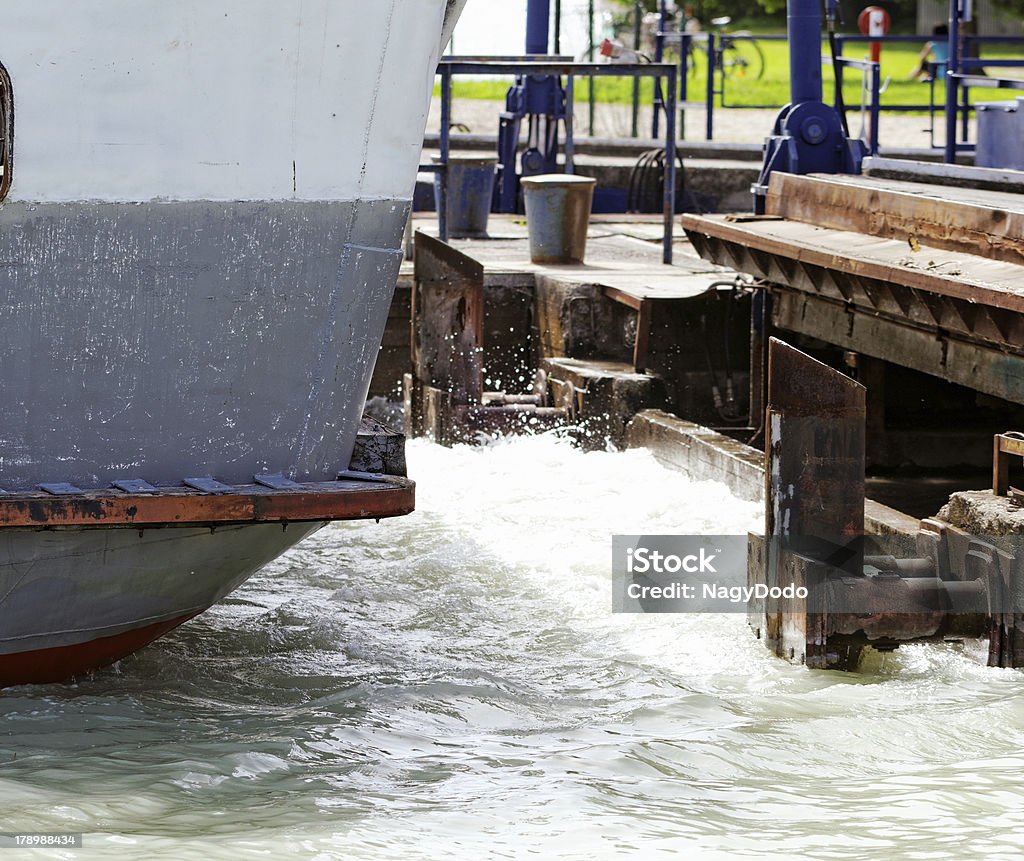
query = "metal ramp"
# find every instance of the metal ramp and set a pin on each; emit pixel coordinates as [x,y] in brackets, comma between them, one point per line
[889,272]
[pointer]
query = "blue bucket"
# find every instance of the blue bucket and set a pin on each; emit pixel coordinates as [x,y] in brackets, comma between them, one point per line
[470,189]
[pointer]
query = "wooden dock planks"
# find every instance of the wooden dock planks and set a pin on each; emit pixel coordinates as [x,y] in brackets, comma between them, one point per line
[989,224]
[947,273]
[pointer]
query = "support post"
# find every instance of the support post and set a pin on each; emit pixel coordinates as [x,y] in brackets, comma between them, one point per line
[684,54]
[447,325]
[876,107]
[590,59]
[670,168]
[446,121]
[814,498]
[710,130]
[952,68]
[638,10]
[538,14]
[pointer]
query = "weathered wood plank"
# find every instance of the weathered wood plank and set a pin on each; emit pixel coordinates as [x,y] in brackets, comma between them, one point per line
[975,366]
[946,273]
[448,320]
[814,498]
[992,227]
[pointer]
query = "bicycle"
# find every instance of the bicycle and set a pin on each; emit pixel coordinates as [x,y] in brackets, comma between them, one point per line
[737,55]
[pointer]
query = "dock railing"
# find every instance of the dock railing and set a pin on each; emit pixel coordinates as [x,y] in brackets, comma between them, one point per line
[542,66]
[965,69]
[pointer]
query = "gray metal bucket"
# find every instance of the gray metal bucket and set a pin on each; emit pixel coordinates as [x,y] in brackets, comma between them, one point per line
[470,189]
[1000,141]
[557,216]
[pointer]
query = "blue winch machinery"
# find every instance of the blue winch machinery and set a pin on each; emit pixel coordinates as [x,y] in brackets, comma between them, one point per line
[809,136]
[540,101]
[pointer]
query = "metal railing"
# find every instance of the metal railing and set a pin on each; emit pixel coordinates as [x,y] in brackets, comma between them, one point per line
[964,76]
[715,83]
[873,72]
[959,78]
[448,67]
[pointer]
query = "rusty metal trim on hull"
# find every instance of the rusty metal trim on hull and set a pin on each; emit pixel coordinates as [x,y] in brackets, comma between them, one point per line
[388,496]
[65,662]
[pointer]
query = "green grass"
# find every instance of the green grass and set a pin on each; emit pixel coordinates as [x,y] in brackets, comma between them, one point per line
[898,60]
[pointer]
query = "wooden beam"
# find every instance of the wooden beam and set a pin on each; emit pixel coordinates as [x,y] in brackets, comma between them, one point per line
[975,366]
[989,226]
[448,320]
[945,273]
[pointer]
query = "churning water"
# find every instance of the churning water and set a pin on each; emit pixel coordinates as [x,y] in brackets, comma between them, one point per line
[453,685]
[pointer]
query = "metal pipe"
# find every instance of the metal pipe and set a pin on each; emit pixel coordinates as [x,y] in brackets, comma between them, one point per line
[876,105]
[803,26]
[638,11]
[965,111]
[446,114]
[914,567]
[670,167]
[590,59]
[659,44]
[659,55]
[684,53]
[952,67]
[711,87]
[570,107]
[538,14]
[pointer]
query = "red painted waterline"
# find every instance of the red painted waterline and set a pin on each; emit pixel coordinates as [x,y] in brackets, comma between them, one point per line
[63,662]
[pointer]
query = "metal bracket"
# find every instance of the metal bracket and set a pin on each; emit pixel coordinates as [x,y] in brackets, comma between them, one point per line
[208,485]
[134,485]
[275,480]
[61,488]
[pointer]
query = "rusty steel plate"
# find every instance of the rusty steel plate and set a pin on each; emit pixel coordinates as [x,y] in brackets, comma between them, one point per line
[175,506]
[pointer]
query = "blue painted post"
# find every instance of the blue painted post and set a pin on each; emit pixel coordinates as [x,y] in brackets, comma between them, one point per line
[570,106]
[538,14]
[659,55]
[590,59]
[876,98]
[638,13]
[803,26]
[684,53]
[711,87]
[670,168]
[965,109]
[952,67]
[446,113]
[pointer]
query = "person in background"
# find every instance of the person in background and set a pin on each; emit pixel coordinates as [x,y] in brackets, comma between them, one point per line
[691,23]
[935,51]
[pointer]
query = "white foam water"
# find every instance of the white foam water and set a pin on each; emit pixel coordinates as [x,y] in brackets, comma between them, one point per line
[454,685]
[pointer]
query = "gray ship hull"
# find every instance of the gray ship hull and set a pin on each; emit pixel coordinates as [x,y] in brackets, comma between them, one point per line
[168,340]
[74,599]
[165,341]
[202,211]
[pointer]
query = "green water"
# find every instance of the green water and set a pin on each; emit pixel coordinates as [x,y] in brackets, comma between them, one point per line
[452,685]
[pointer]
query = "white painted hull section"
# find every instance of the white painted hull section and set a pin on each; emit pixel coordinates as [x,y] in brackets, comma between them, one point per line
[201,242]
[136,100]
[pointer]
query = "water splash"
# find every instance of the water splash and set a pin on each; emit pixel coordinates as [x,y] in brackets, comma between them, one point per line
[453,685]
